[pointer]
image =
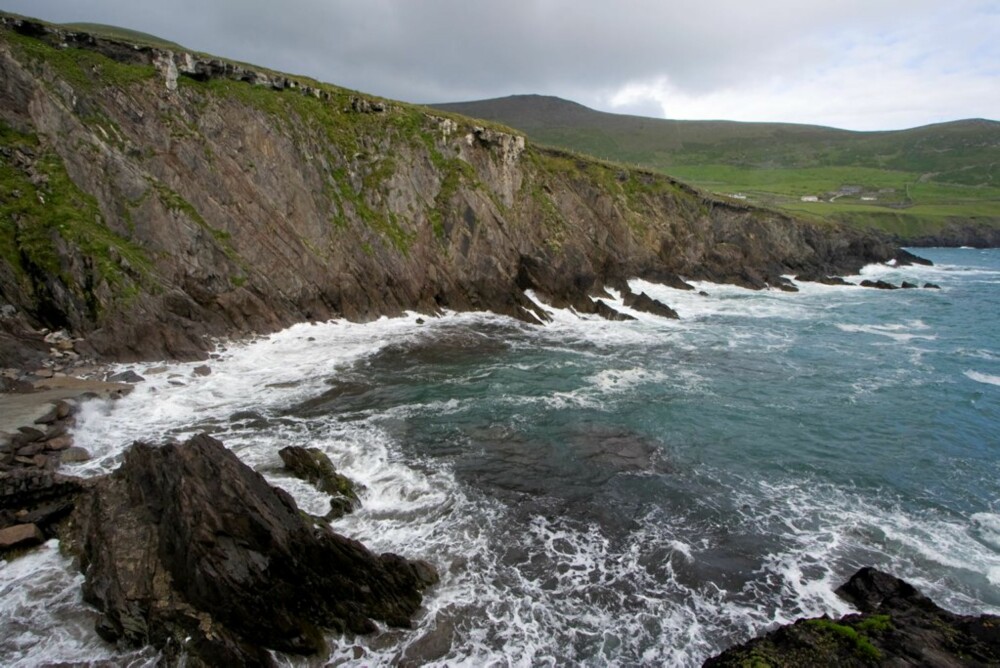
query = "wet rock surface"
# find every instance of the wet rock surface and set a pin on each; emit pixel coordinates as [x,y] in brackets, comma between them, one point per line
[315,467]
[896,626]
[187,549]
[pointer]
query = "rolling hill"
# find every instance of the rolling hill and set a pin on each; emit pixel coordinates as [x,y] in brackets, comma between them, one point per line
[912,182]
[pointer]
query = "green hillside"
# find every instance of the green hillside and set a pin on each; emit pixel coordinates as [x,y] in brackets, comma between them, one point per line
[912,182]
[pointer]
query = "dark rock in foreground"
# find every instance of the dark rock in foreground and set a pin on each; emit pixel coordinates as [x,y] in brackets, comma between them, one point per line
[187,549]
[897,626]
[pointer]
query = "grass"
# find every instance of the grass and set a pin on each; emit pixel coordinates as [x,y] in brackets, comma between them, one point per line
[923,178]
[859,642]
[84,69]
[40,214]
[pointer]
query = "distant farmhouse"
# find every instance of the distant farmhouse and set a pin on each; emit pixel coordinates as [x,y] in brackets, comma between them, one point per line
[810,198]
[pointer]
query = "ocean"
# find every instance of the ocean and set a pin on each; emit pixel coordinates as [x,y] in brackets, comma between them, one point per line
[607,493]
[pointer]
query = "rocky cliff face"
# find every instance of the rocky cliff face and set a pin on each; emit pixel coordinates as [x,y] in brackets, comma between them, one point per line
[151,198]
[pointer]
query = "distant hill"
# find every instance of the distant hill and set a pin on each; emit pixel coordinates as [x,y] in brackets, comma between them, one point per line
[965,151]
[912,181]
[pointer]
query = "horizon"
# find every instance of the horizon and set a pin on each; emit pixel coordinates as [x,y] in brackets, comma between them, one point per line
[844,65]
[969,119]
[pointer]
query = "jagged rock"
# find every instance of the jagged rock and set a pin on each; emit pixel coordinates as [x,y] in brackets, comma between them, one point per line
[905,258]
[932,286]
[906,285]
[222,565]
[313,466]
[20,536]
[203,370]
[645,303]
[897,626]
[608,313]
[879,284]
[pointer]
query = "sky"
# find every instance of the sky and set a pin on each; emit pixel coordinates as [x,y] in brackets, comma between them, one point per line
[854,64]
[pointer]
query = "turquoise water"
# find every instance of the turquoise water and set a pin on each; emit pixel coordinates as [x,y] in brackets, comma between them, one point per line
[631,493]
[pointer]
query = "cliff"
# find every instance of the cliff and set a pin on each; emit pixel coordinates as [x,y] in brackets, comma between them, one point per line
[150,198]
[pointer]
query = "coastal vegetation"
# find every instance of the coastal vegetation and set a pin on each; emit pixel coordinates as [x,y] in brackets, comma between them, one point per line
[909,182]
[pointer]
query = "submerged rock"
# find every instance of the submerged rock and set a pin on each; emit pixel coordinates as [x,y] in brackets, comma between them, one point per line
[187,549]
[897,626]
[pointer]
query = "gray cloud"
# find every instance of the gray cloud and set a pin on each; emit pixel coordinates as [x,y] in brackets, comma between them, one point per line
[713,51]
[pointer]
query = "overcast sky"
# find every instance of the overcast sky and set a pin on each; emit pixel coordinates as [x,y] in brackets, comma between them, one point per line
[857,64]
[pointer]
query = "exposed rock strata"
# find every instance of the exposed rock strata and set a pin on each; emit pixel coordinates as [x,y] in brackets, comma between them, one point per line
[896,626]
[187,549]
[216,199]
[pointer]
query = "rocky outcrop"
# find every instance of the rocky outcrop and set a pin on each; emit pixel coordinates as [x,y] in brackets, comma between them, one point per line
[164,197]
[896,626]
[313,466]
[187,549]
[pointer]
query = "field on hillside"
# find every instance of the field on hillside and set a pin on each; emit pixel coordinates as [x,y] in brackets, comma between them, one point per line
[900,202]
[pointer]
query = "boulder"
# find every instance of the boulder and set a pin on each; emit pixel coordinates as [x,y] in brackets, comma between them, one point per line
[187,549]
[20,536]
[74,455]
[932,286]
[896,626]
[906,285]
[202,370]
[313,466]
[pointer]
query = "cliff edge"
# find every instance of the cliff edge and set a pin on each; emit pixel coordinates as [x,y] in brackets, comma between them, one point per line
[153,198]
